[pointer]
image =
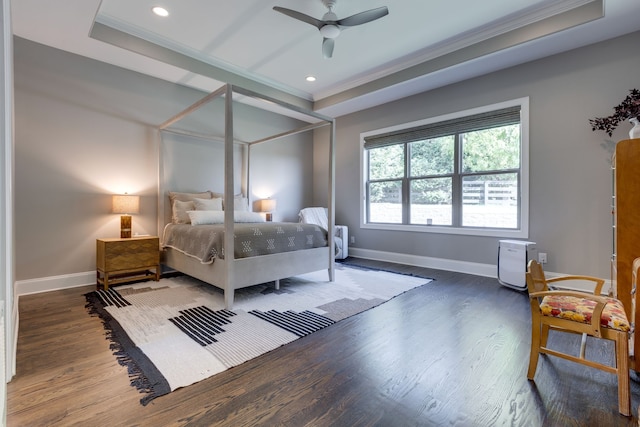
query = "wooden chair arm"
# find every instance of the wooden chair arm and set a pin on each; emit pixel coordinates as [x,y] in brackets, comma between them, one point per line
[598,281]
[597,310]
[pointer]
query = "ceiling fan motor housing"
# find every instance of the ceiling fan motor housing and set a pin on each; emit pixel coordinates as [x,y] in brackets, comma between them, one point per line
[330,31]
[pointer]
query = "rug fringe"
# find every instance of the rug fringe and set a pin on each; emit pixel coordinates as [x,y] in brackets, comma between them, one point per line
[121,347]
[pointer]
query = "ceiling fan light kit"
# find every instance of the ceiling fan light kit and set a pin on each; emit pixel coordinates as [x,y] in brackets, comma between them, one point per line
[330,31]
[330,26]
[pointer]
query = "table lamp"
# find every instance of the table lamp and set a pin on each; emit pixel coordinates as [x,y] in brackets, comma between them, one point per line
[126,205]
[267,206]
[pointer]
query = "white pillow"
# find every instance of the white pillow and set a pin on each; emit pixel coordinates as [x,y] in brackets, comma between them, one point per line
[240,203]
[208,204]
[247,216]
[185,197]
[217,217]
[179,212]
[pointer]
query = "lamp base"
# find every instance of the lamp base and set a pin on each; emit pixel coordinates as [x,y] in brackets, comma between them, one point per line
[269,217]
[125,227]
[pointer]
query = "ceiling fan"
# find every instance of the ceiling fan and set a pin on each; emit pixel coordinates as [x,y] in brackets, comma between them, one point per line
[330,26]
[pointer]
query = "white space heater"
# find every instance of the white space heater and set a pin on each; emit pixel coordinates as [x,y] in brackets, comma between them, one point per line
[513,257]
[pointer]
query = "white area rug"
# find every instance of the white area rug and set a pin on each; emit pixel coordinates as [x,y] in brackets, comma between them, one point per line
[176,332]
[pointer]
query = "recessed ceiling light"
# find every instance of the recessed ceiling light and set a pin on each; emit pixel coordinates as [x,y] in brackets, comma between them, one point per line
[311,79]
[160,11]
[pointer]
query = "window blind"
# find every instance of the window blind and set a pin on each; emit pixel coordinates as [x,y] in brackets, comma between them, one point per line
[487,120]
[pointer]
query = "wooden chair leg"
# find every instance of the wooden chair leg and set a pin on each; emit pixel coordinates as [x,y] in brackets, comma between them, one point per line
[545,335]
[622,365]
[583,346]
[535,347]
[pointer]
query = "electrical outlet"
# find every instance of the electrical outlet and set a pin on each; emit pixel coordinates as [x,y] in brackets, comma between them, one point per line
[542,257]
[352,240]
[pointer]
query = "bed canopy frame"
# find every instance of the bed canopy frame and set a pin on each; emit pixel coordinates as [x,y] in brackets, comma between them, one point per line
[231,273]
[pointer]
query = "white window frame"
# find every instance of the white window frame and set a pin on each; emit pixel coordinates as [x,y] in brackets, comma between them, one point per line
[522,232]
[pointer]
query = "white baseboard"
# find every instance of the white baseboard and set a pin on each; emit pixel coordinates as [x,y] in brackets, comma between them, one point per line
[486,270]
[54,283]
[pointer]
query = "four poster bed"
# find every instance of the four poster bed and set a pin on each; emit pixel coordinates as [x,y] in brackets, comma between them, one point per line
[232,263]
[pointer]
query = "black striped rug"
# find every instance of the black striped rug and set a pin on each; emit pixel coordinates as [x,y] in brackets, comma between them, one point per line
[176,332]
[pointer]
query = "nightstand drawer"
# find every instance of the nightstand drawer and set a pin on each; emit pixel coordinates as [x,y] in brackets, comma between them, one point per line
[124,255]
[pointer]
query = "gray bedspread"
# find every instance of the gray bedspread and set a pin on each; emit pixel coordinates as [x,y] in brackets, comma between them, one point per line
[206,242]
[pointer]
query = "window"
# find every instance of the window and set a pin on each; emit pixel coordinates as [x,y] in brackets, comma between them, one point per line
[464,173]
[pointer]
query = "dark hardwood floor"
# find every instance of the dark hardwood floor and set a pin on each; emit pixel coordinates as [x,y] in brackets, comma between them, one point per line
[453,352]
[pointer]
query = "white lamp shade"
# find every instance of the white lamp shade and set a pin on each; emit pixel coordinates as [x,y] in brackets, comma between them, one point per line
[126,204]
[267,205]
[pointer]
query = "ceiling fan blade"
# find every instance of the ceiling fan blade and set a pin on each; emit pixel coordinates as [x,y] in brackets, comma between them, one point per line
[300,16]
[363,17]
[327,47]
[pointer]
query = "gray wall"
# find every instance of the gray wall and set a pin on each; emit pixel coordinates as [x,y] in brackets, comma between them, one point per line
[86,130]
[273,164]
[570,176]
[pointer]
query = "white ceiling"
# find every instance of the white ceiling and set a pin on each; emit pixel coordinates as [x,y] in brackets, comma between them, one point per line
[420,45]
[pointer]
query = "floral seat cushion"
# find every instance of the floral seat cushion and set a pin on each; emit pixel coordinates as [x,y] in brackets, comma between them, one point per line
[581,310]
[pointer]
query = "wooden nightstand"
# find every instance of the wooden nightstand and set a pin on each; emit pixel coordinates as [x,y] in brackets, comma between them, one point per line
[124,260]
